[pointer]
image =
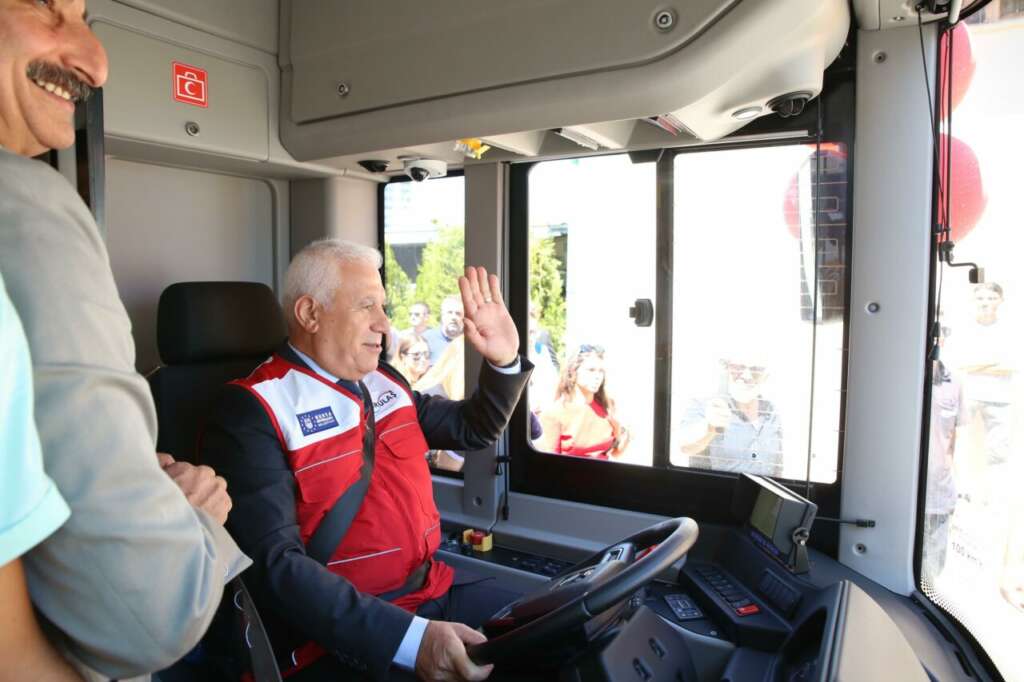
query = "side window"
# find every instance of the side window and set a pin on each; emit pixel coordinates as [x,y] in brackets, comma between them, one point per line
[592,234]
[972,527]
[758,331]
[424,254]
[758,287]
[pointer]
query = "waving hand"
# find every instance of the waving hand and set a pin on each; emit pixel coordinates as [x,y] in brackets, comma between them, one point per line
[489,327]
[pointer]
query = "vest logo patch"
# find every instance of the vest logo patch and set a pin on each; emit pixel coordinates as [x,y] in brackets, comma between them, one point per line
[316,421]
[384,399]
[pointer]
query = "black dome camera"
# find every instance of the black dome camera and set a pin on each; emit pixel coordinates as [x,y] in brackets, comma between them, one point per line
[374,165]
[423,169]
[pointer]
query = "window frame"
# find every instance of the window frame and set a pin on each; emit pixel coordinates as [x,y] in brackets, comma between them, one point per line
[381,245]
[662,488]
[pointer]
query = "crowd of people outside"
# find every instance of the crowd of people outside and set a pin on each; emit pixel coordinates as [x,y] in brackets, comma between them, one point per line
[971,464]
[432,360]
[732,430]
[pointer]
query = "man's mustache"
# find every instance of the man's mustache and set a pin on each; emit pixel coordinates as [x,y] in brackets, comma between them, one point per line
[62,78]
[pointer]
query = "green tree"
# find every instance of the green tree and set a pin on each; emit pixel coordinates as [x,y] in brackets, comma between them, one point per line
[443,261]
[547,290]
[441,264]
[400,290]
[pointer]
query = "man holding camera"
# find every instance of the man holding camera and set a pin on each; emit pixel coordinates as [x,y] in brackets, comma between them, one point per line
[737,430]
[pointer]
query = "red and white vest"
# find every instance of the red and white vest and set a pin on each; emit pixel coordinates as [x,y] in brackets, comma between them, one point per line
[320,426]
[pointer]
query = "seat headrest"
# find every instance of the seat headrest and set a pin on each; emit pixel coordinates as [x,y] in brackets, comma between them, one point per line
[206,321]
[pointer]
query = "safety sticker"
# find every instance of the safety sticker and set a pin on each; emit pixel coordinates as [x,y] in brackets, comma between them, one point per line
[190,84]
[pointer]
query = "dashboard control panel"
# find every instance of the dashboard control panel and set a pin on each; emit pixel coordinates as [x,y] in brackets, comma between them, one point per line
[451,541]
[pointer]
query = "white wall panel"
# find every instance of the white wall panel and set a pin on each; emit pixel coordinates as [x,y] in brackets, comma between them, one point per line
[167,225]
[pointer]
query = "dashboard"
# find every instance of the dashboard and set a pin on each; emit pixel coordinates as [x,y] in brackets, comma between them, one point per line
[734,610]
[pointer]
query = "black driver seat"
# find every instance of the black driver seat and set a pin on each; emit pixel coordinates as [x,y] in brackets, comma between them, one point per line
[208,333]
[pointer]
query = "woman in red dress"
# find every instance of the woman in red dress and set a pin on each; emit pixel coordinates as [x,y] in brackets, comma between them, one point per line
[581,420]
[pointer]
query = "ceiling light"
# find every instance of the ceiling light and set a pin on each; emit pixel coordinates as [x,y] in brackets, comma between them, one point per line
[746,113]
[577,137]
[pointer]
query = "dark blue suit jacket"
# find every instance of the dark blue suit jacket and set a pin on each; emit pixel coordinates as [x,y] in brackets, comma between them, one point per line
[298,598]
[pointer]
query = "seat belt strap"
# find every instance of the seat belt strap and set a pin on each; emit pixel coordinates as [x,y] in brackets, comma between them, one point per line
[262,662]
[339,519]
[412,584]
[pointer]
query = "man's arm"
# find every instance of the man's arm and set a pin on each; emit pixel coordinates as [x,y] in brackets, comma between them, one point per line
[697,428]
[30,509]
[22,643]
[135,576]
[241,444]
[477,422]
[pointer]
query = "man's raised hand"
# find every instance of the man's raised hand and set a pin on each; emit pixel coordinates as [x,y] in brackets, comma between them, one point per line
[488,326]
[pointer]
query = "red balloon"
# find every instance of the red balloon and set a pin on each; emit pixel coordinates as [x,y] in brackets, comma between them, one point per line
[963,65]
[968,200]
[967,203]
[833,155]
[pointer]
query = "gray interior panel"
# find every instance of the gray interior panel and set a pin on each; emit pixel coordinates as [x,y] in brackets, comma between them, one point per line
[333,207]
[250,22]
[167,225]
[139,103]
[869,646]
[441,49]
[703,82]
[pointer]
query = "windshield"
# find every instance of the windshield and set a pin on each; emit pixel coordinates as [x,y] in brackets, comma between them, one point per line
[972,557]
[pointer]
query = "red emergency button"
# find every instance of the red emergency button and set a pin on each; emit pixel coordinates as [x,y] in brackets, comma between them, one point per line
[747,610]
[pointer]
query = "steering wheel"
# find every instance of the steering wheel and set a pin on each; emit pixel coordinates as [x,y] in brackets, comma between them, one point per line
[582,593]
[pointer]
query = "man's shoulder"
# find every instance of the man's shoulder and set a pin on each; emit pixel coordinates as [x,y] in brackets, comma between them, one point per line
[19,174]
[36,200]
[274,367]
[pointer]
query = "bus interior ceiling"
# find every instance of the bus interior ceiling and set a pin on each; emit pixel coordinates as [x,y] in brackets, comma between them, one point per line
[236,132]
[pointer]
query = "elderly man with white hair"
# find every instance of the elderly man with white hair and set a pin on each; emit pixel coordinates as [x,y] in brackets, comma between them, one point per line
[323,447]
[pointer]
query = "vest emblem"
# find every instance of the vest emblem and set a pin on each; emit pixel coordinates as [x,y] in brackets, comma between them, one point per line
[316,421]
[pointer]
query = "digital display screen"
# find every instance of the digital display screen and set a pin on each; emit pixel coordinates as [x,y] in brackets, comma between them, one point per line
[765,515]
[770,515]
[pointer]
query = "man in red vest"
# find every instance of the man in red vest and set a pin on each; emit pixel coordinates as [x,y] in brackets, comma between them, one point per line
[324,423]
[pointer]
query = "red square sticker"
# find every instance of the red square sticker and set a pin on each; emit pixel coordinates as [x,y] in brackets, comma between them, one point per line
[190,84]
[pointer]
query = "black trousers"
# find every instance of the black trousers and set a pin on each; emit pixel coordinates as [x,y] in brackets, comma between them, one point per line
[472,599]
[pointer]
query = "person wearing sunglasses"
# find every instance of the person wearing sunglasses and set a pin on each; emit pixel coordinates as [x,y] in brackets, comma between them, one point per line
[736,430]
[581,419]
[413,358]
[419,318]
